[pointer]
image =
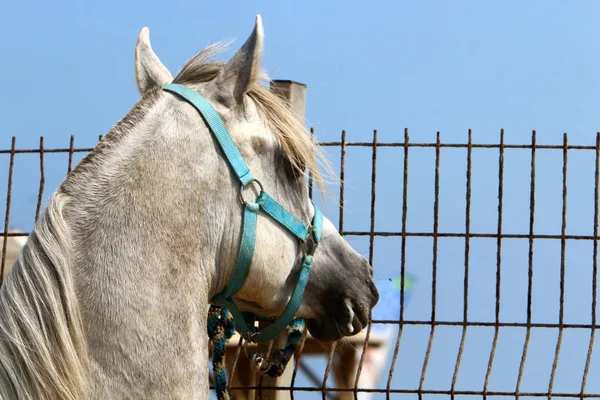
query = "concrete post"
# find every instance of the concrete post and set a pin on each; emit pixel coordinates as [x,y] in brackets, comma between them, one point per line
[294,94]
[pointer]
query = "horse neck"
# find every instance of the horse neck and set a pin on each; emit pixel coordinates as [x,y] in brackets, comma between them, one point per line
[145,316]
[144,259]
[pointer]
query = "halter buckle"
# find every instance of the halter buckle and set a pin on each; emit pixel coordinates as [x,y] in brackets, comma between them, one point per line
[243,188]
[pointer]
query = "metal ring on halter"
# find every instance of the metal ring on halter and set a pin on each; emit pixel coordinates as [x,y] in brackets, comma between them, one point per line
[242,187]
[259,363]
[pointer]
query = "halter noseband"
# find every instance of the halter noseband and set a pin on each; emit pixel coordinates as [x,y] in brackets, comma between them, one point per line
[305,234]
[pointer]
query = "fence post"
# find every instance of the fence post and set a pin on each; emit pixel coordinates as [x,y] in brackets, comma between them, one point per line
[294,94]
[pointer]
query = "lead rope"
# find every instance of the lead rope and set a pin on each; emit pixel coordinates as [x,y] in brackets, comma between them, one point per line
[221,328]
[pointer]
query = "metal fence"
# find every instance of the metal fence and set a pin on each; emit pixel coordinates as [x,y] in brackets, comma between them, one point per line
[490,317]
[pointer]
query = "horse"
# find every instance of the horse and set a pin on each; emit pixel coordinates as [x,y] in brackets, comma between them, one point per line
[108,298]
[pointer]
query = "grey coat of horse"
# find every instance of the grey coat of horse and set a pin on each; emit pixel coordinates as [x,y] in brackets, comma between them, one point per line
[108,298]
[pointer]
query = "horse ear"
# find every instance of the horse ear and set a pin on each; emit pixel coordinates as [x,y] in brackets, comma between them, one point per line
[243,70]
[150,73]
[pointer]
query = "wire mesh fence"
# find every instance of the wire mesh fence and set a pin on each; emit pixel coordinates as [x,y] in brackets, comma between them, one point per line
[501,238]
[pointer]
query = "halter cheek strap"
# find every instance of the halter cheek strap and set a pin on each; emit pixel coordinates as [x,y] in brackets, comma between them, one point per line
[272,208]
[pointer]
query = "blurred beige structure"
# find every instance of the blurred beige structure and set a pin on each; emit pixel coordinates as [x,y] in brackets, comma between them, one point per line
[13,247]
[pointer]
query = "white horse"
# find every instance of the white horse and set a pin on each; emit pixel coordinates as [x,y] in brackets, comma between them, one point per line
[108,298]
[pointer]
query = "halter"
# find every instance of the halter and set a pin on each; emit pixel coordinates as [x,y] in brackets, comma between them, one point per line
[309,236]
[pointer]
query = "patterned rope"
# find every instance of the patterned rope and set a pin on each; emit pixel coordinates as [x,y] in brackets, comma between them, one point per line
[221,327]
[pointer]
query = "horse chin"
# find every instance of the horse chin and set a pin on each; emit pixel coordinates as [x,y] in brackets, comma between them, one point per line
[324,332]
[330,331]
[346,321]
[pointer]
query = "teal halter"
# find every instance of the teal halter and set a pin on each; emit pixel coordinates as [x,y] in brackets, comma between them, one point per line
[309,236]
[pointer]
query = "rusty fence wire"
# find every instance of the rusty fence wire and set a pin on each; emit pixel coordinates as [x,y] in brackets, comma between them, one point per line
[502,239]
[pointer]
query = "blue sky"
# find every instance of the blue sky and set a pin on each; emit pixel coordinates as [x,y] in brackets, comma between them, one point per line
[430,66]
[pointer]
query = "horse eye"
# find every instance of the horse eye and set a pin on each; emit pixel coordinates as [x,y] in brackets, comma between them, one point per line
[259,144]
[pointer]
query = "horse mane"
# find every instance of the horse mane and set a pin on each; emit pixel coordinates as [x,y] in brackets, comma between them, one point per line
[297,144]
[42,347]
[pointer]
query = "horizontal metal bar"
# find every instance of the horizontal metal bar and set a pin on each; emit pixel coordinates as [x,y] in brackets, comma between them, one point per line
[460,145]
[59,150]
[418,391]
[489,324]
[360,144]
[430,234]
[472,235]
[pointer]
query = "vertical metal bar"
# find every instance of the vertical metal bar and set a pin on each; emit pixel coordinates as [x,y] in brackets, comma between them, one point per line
[466,280]
[436,209]
[342,183]
[402,264]
[235,362]
[373,198]
[71,143]
[404,219]
[371,254]
[42,180]
[11,165]
[563,245]
[324,389]
[341,230]
[530,265]
[594,270]
[297,363]
[498,264]
[499,229]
